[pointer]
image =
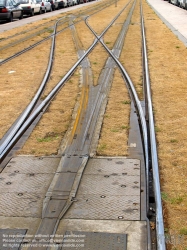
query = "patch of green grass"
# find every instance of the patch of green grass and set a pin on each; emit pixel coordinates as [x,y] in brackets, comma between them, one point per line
[177,200]
[164,196]
[95,63]
[132,23]
[157,129]
[125,127]
[108,42]
[102,147]
[177,47]
[47,139]
[166,230]
[173,140]
[50,31]
[183,231]
[1,38]
[114,130]
[126,102]
[51,136]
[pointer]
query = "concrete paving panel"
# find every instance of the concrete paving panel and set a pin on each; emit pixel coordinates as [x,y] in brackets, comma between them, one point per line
[135,230]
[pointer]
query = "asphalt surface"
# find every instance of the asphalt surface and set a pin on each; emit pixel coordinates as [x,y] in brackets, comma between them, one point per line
[174,17]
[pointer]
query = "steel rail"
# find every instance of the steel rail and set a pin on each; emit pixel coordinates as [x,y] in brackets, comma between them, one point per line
[154,156]
[51,95]
[43,40]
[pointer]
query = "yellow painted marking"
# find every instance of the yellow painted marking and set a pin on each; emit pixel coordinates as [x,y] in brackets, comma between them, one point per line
[82,106]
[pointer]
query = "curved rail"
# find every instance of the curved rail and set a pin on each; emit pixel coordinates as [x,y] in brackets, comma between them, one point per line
[154,158]
[46,101]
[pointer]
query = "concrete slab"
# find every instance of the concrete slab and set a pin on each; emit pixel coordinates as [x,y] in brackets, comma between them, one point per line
[135,230]
[29,224]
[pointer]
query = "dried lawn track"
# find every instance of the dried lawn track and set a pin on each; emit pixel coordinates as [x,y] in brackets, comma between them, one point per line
[114,134]
[20,79]
[113,33]
[169,87]
[131,56]
[106,15]
[47,136]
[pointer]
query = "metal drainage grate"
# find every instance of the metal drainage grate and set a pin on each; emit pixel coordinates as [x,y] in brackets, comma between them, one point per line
[11,239]
[94,241]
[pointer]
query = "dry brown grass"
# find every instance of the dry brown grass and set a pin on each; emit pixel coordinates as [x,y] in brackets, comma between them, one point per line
[114,134]
[100,20]
[117,114]
[97,59]
[24,44]
[22,33]
[112,34]
[131,53]
[65,58]
[18,88]
[167,63]
[25,28]
[46,138]
[88,37]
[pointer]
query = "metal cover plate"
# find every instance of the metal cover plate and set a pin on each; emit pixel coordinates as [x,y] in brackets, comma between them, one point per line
[31,164]
[110,185]
[113,166]
[16,182]
[94,241]
[70,163]
[112,194]
[107,208]
[24,182]
[10,239]
[15,204]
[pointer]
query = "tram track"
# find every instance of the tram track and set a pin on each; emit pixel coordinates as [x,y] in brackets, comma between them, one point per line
[8,137]
[46,101]
[79,144]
